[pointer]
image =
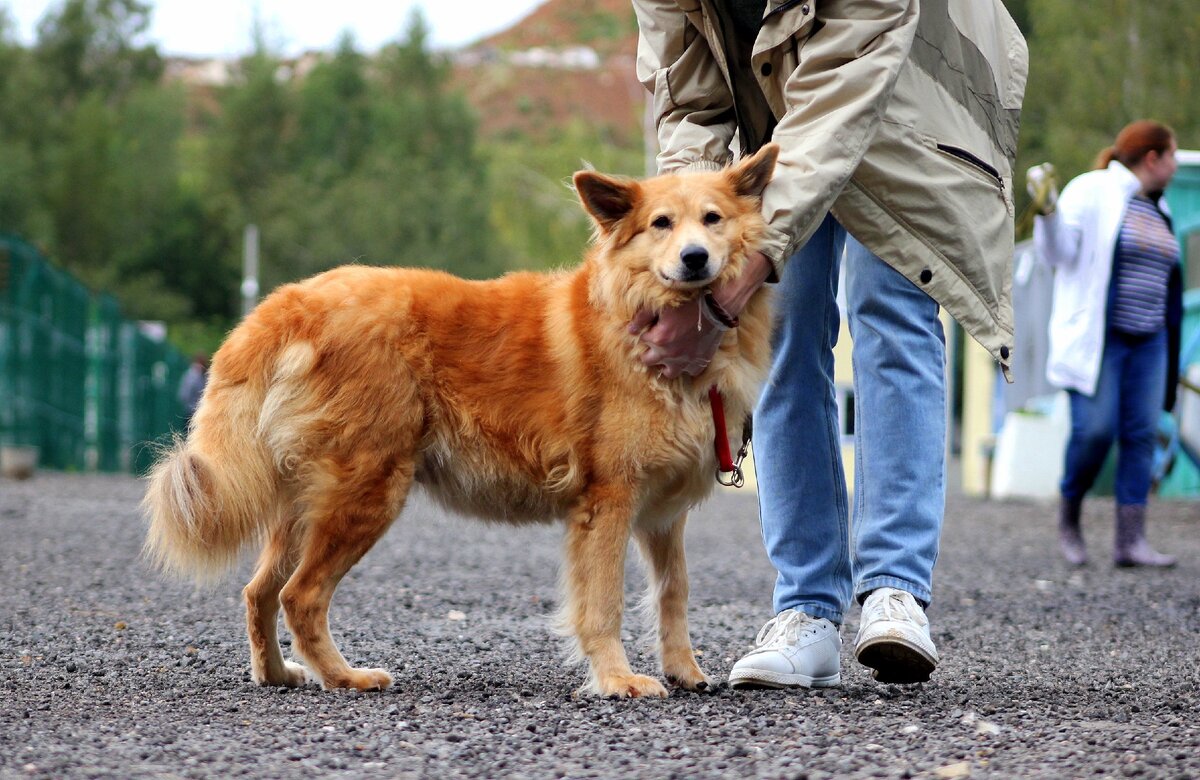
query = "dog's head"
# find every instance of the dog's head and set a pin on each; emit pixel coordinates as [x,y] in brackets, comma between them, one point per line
[681,231]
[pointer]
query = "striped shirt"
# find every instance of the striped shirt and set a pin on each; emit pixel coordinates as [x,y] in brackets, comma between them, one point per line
[1146,252]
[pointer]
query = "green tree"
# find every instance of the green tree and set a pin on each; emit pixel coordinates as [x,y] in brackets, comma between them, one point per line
[354,163]
[534,212]
[104,135]
[427,163]
[17,164]
[334,130]
[250,140]
[89,46]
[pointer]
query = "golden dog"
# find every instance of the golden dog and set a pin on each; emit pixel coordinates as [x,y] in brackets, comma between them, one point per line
[518,400]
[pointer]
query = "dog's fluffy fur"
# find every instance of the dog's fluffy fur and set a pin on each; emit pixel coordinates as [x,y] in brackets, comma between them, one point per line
[517,400]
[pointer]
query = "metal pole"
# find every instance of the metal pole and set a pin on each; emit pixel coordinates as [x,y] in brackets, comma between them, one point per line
[249,269]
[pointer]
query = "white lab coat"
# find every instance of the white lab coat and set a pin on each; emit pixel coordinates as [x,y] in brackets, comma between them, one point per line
[1078,241]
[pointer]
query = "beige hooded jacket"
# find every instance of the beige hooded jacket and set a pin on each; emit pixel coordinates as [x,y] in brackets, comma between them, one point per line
[899,116]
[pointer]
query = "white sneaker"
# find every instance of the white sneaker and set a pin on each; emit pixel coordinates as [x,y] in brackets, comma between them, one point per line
[792,650]
[893,638]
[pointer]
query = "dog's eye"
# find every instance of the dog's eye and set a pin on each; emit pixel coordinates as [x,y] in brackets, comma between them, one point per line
[712,218]
[662,223]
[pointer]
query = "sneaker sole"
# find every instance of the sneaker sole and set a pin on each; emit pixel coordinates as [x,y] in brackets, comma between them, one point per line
[774,680]
[895,662]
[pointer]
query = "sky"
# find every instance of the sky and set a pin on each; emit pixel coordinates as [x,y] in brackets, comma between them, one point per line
[222,27]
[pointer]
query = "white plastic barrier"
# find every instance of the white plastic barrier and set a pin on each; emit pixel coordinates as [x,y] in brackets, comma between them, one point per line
[1028,459]
[1189,410]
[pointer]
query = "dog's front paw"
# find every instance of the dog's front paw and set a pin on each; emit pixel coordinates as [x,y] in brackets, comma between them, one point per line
[683,672]
[697,681]
[360,679]
[630,686]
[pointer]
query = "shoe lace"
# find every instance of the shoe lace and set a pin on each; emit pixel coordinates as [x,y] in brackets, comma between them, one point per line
[892,606]
[786,628]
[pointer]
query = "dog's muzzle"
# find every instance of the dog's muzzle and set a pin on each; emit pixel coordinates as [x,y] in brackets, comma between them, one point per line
[693,259]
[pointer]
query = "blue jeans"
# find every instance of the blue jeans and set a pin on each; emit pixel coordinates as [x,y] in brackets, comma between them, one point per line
[1128,400]
[899,424]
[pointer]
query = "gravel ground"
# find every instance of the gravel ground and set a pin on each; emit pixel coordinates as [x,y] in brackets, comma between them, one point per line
[107,669]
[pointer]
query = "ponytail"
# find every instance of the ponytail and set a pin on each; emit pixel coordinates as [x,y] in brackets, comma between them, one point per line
[1135,141]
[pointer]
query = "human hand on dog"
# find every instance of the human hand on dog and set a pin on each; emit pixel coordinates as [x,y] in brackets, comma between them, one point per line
[683,340]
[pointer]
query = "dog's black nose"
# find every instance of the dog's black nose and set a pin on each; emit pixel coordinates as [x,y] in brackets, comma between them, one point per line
[694,257]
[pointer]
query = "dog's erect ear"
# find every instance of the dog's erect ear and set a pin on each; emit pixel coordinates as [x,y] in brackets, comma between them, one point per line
[751,176]
[607,198]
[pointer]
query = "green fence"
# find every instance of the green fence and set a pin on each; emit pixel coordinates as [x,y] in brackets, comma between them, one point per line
[89,389]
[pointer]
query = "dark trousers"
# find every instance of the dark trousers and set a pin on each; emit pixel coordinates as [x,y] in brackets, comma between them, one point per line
[1125,407]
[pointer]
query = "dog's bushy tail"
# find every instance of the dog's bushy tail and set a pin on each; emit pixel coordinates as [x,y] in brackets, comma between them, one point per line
[212,493]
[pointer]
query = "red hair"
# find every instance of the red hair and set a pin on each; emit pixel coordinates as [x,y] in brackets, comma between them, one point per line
[1135,141]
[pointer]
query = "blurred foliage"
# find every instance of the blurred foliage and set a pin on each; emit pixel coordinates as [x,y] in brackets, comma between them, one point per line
[358,161]
[107,167]
[594,24]
[90,163]
[144,190]
[1096,66]
[535,213]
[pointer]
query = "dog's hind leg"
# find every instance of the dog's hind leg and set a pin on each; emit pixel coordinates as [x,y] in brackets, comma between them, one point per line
[343,521]
[597,537]
[668,592]
[275,564]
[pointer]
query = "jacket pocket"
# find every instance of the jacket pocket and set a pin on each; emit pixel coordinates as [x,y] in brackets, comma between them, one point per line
[974,162]
[693,79]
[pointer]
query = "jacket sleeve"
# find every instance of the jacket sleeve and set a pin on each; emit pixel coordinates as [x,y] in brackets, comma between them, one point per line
[834,101]
[1058,237]
[692,105]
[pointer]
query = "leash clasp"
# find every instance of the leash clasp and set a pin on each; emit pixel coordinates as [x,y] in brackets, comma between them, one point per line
[727,464]
[737,477]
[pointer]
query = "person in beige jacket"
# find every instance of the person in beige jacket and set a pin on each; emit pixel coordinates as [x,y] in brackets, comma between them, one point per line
[897,122]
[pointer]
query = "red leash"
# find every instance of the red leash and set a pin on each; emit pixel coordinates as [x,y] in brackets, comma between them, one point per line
[725,462]
[721,443]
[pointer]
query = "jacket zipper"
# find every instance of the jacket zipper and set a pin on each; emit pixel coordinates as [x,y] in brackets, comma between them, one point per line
[971,159]
[783,7]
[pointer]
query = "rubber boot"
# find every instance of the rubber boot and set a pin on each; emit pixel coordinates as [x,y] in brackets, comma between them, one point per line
[1070,535]
[1131,548]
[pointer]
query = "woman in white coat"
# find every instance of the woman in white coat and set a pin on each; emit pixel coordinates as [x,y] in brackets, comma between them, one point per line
[1116,303]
